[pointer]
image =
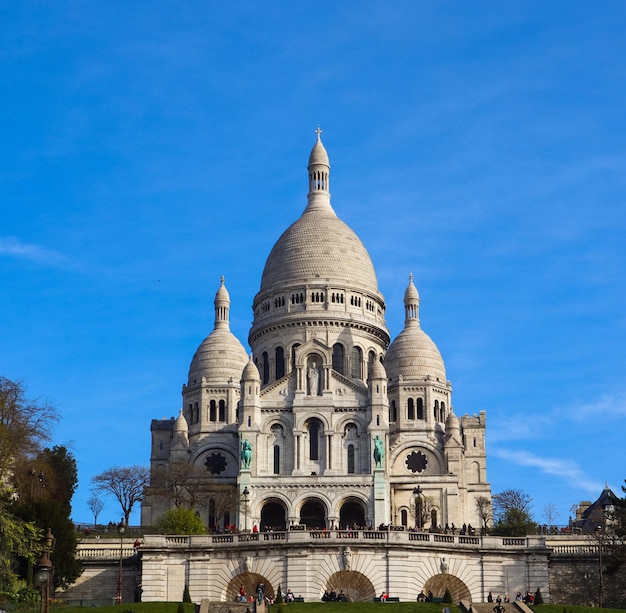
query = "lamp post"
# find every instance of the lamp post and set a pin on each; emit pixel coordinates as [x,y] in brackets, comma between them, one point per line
[120,528]
[44,572]
[599,535]
[245,494]
[417,492]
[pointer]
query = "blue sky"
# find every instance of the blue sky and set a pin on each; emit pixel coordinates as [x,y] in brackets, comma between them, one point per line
[149,148]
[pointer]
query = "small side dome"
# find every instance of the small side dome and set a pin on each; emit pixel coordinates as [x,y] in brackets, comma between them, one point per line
[413,355]
[377,370]
[220,358]
[452,422]
[180,425]
[251,372]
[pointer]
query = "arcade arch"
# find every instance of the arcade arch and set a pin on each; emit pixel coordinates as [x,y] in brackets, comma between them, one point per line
[273,516]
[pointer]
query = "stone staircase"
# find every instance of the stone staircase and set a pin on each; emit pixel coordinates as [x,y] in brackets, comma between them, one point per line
[514,606]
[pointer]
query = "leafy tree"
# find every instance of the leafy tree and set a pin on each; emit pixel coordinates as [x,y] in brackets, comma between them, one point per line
[181,520]
[126,483]
[51,508]
[512,513]
[24,425]
[95,504]
[447,597]
[18,539]
[186,594]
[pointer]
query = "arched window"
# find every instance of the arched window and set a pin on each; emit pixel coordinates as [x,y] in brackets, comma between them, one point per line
[404,518]
[420,408]
[411,409]
[392,411]
[265,367]
[293,355]
[314,440]
[433,518]
[212,411]
[280,362]
[222,410]
[338,355]
[356,363]
[371,356]
[436,410]
[276,460]
[443,411]
[350,459]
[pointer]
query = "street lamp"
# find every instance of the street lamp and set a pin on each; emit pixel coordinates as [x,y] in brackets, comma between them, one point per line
[44,571]
[120,528]
[417,492]
[245,494]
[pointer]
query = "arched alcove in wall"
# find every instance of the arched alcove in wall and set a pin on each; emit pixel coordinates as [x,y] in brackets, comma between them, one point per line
[438,584]
[249,582]
[356,586]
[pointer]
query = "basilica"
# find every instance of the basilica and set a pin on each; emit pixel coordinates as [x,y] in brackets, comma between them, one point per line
[327,423]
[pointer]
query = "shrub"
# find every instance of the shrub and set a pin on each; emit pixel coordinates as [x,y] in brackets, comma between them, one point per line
[538,597]
[186,594]
[279,597]
[447,597]
[181,608]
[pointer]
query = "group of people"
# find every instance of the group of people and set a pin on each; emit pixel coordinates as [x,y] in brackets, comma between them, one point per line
[243,597]
[421,597]
[332,596]
[498,600]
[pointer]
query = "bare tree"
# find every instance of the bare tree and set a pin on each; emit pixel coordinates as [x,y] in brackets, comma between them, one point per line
[550,513]
[483,506]
[95,504]
[184,485]
[422,508]
[222,499]
[24,425]
[126,483]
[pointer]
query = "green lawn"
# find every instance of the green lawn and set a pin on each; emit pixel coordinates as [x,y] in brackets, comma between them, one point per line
[311,607]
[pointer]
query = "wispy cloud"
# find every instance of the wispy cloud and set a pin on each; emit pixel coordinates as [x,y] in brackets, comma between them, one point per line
[14,248]
[607,405]
[564,469]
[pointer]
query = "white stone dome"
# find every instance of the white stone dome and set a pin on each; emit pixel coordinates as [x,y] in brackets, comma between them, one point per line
[221,356]
[319,247]
[413,355]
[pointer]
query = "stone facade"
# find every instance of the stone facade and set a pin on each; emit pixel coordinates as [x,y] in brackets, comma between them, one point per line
[288,436]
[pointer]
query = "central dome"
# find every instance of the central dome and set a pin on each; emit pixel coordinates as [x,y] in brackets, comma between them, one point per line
[319,247]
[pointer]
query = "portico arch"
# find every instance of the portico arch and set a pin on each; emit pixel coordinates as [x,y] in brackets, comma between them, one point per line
[273,515]
[352,514]
[313,514]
